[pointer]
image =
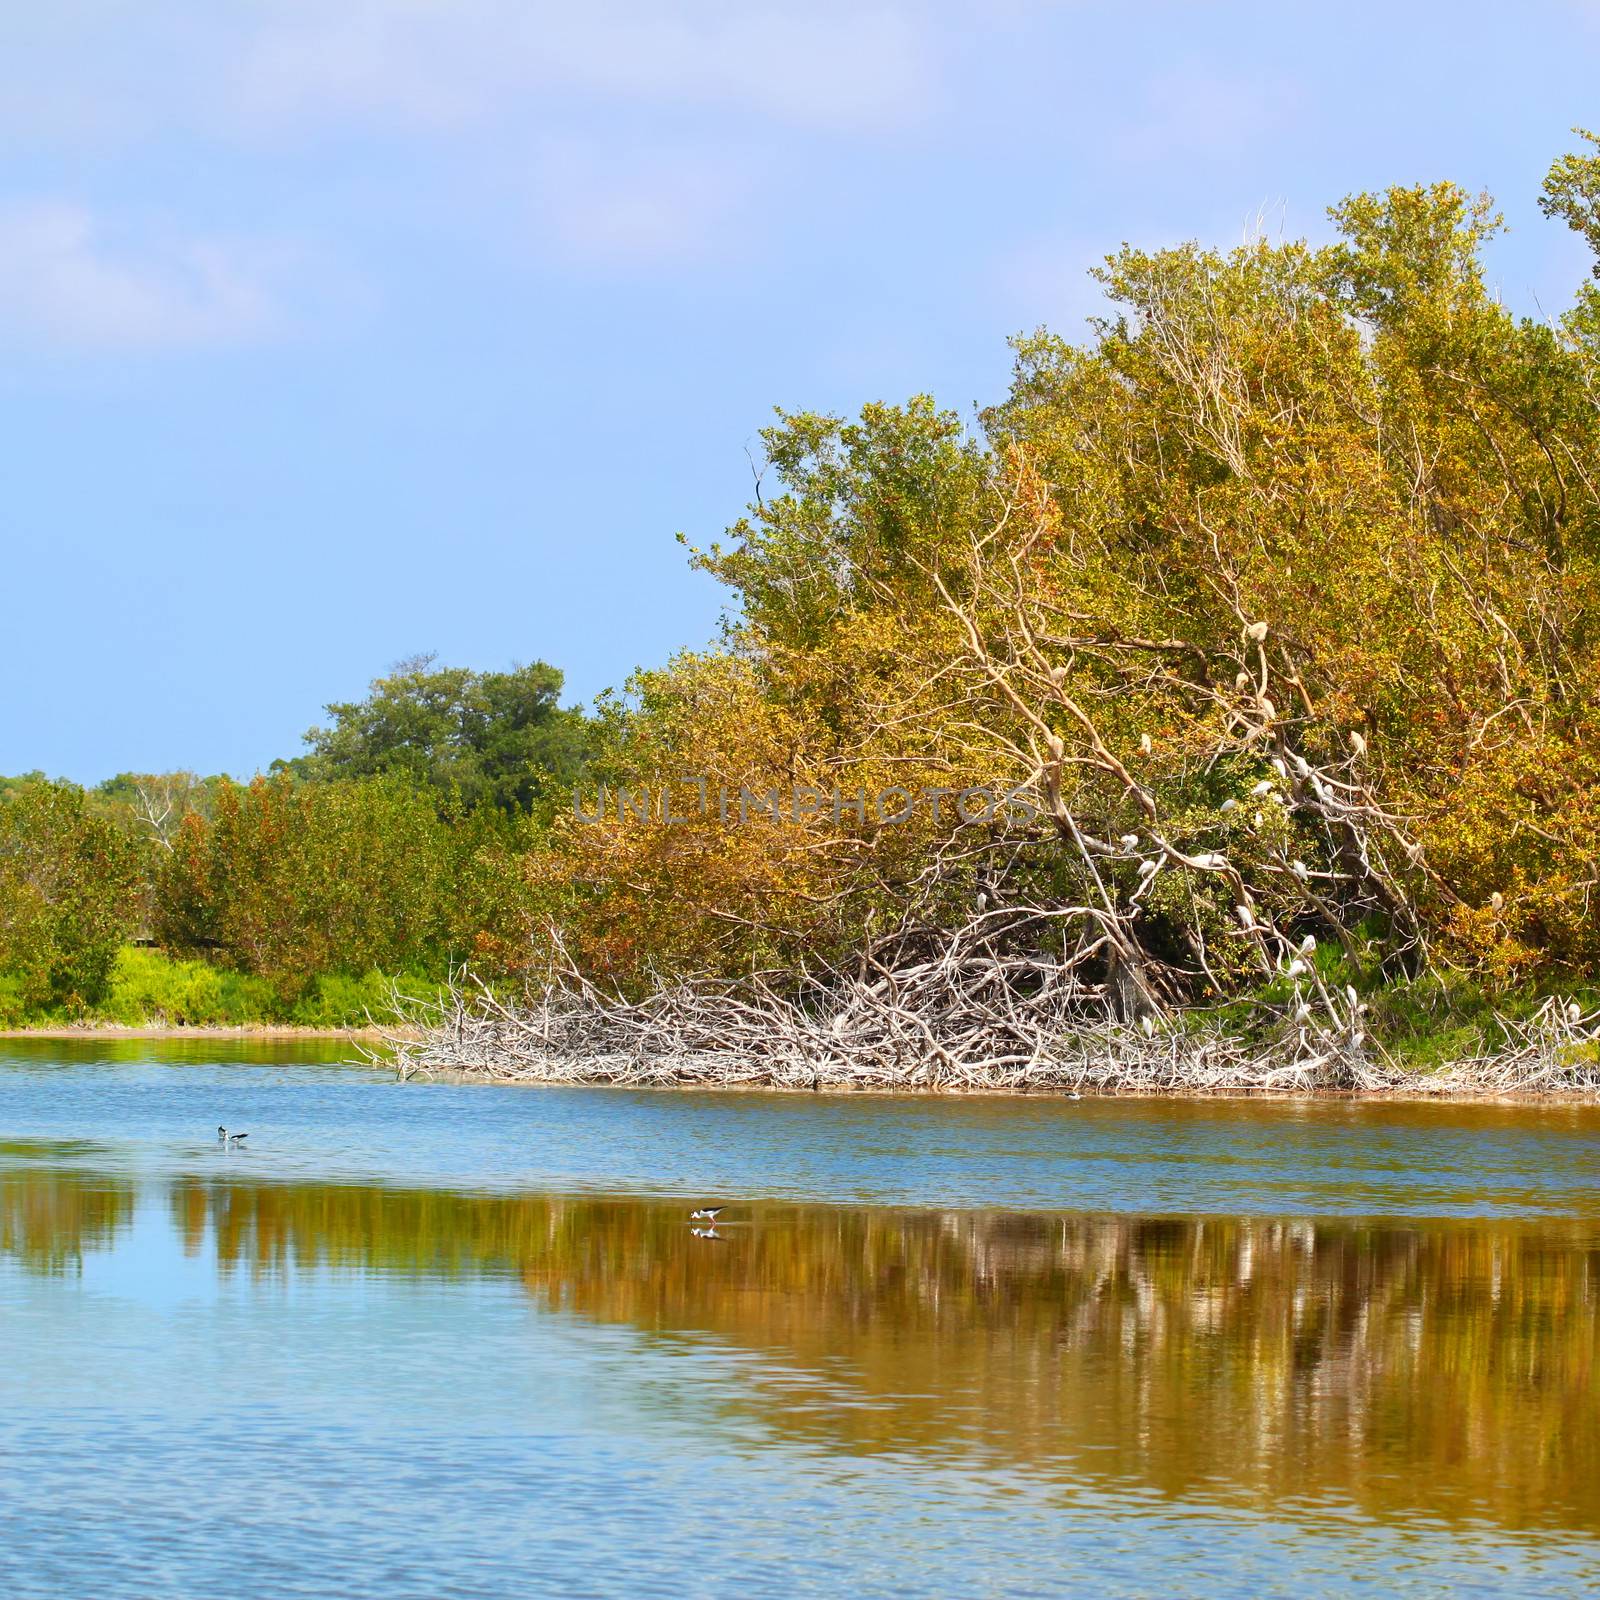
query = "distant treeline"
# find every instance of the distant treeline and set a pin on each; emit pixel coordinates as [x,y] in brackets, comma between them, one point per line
[1280,594]
[397,845]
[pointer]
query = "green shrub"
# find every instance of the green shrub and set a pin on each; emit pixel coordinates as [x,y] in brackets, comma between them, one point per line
[69,895]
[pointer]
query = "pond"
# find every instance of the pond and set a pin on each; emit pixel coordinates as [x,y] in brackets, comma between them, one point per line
[456,1340]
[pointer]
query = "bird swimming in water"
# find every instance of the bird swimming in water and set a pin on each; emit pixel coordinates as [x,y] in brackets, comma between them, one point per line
[224,1137]
[706,1214]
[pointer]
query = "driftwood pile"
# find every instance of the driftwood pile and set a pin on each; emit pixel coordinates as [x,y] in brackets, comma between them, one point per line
[965,1019]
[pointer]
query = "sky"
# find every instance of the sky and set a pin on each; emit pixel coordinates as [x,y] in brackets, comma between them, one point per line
[331,333]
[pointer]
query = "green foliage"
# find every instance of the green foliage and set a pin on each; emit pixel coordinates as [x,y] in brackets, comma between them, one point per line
[1572,193]
[149,987]
[497,739]
[288,881]
[69,891]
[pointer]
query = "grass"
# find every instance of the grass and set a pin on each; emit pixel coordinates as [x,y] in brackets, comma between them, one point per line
[149,988]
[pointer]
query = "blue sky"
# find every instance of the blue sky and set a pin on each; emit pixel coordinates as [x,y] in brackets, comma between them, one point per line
[336,330]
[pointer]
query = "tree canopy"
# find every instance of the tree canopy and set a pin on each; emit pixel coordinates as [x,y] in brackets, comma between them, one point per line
[486,738]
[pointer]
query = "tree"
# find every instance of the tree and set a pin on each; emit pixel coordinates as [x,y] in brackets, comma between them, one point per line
[492,739]
[290,880]
[1280,594]
[69,896]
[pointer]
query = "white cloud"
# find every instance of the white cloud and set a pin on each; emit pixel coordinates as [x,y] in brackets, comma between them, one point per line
[63,281]
[445,61]
[621,210]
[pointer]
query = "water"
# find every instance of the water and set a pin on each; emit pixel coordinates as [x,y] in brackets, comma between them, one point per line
[449,1340]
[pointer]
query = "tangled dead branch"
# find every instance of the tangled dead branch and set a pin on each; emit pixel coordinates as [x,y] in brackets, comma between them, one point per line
[969,1018]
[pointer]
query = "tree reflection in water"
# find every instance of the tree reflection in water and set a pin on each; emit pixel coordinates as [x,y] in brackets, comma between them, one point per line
[1408,1368]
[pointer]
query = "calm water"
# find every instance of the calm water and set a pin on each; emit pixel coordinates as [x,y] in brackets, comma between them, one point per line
[445,1340]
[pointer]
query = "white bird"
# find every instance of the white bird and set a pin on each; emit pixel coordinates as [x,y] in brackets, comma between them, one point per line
[1351,995]
[1279,768]
[1574,1011]
[1268,710]
[1296,967]
[1357,743]
[706,1214]
[1302,767]
[1129,841]
[1147,1022]
[1147,867]
[1497,901]
[1230,804]
[1308,945]
[1145,746]
[1255,631]
[1262,789]
[1299,869]
[1242,680]
[1246,916]
[224,1137]
[1302,1012]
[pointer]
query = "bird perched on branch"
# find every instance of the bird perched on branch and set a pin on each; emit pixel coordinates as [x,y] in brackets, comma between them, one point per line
[1358,745]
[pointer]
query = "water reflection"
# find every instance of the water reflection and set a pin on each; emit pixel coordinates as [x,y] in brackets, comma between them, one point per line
[49,1218]
[1438,1369]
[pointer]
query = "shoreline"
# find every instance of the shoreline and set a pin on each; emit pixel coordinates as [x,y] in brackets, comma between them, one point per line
[1406,1093]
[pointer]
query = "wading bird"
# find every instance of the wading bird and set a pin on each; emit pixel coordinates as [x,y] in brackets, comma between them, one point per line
[224,1137]
[706,1214]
